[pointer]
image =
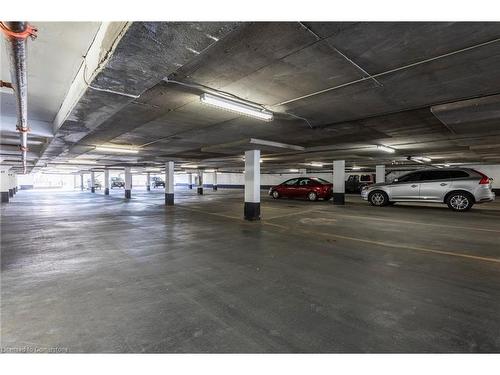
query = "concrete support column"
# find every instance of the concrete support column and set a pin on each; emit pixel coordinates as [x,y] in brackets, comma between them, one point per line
[380,173]
[4,186]
[339,182]
[190,177]
[15,184]
[128,183]
[106,182]
[148,181]
[81,181]
[252,185]
[200,182]
[11,185]
[169,183]
[215,181]
[92,182]
[75,182]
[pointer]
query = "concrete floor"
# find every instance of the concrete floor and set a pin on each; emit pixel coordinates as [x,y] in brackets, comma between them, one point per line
[90,273]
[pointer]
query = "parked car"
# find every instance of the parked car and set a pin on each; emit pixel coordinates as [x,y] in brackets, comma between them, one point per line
[311,188]
[97,184]
[117,182]
[459,188]
[357,181]
[157,182]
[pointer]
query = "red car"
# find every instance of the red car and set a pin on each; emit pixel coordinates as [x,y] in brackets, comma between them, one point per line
[311,188]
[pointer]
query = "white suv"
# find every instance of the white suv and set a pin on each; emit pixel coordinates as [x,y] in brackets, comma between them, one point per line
[459,188]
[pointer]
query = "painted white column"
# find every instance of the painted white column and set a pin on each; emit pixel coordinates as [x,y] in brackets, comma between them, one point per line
[339,182]
[169,183]
[4,186]
[75,181]
[81,182]
[200,182]
[215,181]
[11,184]
[106,182]
[92,181]
[128,183]
[15,183]
[380,173]
[190,176]
[148,181]
[252,185]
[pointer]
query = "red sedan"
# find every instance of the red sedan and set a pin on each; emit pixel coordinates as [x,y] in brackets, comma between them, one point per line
[311,188]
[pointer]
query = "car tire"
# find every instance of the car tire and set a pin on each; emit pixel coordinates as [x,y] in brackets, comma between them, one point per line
[460,201]
[312,196]
[275,194]
[378,198]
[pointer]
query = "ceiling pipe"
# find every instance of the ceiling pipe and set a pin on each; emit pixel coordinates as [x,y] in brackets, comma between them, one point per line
[16,34]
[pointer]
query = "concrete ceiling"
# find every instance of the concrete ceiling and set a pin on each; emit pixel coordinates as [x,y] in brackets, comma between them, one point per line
[337,90]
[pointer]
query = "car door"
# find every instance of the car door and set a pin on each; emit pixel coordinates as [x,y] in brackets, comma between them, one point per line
[407,187]
[434,185]
[288,188]
[303,187]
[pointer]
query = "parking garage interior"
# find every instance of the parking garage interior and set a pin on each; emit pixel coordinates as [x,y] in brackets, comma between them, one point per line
[138,161]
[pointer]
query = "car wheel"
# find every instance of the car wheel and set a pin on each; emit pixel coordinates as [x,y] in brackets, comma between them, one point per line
[312,196]
[275,194]
[460,201]
[378,198]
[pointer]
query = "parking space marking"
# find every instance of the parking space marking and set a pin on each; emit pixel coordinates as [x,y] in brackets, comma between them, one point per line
[411,222]
[291,214]
[356,239]
[388,244]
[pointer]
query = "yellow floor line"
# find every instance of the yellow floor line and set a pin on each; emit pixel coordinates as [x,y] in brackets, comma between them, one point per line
[396,246]
[378,243]
[410,222]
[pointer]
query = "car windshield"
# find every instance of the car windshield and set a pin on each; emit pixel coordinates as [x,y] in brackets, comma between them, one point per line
[320,180]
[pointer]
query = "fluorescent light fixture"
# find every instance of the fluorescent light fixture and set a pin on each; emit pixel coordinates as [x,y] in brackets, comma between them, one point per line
[420,159]
[117,149]
[314,164]
[82,161]
[423,158]
[355,168]
[294,170]
[446,165]
[244,108]
[386,149]
[189,166]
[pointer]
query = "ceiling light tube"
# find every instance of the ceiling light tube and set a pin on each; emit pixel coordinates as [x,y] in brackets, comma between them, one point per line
[243,108]
[117,149]
[82,161]
[386,149]
[313,164]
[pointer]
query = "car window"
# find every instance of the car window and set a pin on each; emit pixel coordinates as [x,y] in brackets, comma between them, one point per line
[435,175]
[410,177]
[304,182]
[350,178]
[458,174]
[320,180]
[293,181]
[365,177]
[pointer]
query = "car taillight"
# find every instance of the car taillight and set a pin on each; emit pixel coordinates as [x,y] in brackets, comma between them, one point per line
[485,180]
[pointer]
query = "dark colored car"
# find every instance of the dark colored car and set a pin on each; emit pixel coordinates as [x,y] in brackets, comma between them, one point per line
[157,182]
[311,188]
[357,181]
[117,182]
